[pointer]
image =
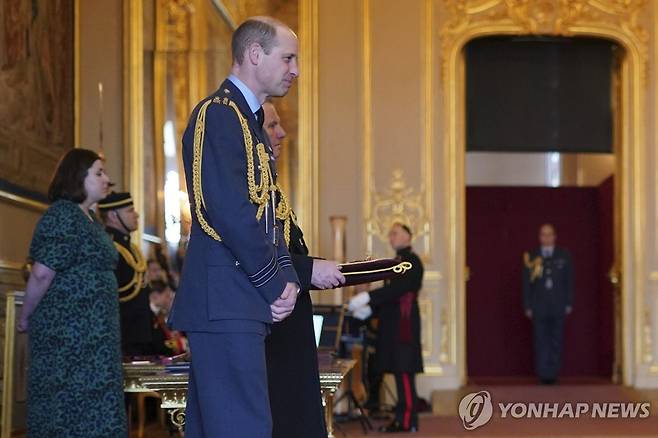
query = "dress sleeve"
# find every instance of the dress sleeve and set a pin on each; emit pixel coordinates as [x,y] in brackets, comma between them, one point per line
[55,241]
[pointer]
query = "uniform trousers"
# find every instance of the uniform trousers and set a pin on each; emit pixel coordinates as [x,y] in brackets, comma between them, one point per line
[227,393]
[406,410]
[547,333]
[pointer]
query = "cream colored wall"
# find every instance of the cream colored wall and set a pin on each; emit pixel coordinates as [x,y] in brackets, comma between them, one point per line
[393,77]
[386,65]
[340,122]
[101,60]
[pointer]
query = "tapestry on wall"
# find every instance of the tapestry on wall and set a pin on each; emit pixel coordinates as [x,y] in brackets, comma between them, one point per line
[36,85]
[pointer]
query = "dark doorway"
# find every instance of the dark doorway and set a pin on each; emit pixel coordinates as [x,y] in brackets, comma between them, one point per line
[502,223]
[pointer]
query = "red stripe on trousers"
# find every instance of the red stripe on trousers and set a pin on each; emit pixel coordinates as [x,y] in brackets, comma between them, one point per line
[407,397]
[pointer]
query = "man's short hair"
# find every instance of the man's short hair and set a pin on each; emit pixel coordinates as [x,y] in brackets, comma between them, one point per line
[260,30]
[158,286]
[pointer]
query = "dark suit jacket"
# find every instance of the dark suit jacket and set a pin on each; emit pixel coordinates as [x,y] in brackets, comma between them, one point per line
[558,274]
[292,359]
[238,278]
[394,353]
[135,313]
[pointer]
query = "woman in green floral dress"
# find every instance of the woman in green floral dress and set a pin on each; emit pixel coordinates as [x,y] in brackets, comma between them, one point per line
[71,312]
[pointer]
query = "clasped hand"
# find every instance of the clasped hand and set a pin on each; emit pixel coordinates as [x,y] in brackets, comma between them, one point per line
[285,304]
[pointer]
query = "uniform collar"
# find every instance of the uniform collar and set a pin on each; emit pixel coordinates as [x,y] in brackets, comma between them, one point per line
[403,251]
[249,96]
[118,235]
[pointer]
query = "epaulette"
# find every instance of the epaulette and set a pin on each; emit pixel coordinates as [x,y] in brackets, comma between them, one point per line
[259,194]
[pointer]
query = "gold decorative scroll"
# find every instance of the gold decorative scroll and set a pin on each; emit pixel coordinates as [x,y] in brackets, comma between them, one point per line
[399,203]
[549,17]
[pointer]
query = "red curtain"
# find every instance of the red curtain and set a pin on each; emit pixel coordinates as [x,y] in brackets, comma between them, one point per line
[502,223]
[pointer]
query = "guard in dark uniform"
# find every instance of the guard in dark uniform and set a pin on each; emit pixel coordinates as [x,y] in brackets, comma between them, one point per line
[121,219]
[290,348]
[238,277]
[398,342]
[548,297]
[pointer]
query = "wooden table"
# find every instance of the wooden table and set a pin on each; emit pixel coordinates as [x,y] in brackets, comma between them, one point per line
[172,387]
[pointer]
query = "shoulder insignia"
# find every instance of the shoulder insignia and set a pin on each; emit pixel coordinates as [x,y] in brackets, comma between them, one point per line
[259,194]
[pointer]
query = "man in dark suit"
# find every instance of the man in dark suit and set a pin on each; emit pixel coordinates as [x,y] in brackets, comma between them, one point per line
[398,339]
[547,298]
[290,348]
[238,277]
[121,219]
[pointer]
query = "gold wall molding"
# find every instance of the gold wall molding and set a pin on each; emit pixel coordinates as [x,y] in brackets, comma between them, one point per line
[308,177]
[426,309]
[398,203]
[22,201]
[225,13]
[604,18]
[619,21]
[133,105]
[366,102]
[76,74]
[11,265]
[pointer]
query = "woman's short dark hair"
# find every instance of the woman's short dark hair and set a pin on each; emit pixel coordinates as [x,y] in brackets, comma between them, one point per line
[68,181]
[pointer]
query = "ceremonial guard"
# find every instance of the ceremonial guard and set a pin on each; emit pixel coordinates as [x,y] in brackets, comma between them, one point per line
[548,298]
[290,348]
[398,340]
[238,277]
[120,220]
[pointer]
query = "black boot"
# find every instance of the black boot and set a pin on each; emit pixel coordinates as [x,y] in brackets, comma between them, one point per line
[396,426]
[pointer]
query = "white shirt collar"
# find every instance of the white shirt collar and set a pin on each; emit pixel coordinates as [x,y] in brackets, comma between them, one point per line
[250,97]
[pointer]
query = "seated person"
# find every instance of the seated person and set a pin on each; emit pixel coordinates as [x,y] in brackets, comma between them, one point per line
[166,342]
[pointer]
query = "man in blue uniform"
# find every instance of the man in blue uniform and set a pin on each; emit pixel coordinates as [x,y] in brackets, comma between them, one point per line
[238,277]
[548,297]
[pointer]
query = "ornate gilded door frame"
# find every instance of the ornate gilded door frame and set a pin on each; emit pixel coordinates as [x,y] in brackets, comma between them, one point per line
[466,20]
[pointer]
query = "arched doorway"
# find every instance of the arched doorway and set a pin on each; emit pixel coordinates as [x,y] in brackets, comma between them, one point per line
[616,23]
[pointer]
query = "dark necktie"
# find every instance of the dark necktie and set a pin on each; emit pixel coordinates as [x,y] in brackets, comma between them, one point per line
[260,117]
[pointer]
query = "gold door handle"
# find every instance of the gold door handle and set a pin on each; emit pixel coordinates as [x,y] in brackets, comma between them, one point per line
[613,276]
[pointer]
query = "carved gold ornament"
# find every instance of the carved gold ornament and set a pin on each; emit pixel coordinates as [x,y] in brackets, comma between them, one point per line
[399,203]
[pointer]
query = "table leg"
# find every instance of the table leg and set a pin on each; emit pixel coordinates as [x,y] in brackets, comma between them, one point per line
[328,404]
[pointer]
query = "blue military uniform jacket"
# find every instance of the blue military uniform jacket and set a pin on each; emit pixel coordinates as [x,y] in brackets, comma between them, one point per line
[550,290]
[237,262]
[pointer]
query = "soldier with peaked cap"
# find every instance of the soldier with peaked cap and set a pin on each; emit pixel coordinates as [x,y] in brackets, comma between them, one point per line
[238,277]
[121,219]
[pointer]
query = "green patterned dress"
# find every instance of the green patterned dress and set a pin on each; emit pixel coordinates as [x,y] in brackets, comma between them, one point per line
[75,386]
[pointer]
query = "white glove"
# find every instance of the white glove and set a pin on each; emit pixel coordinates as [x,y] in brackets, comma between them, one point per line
[362,313]
[359,300]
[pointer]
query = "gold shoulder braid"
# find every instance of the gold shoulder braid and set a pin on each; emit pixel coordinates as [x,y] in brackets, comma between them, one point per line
[535,266]
[284,213]
[258,194]
[136,261]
